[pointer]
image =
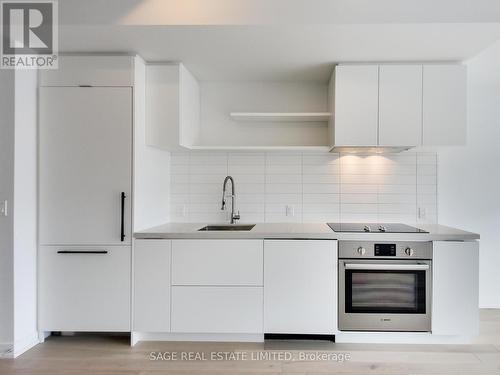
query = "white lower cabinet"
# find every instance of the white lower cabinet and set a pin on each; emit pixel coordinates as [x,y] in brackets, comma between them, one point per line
[207,309]
[217,286]
[152,259]
[455,286]
[300,286]
[84,288]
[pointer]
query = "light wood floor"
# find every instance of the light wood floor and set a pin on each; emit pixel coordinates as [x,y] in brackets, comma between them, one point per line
[103,355]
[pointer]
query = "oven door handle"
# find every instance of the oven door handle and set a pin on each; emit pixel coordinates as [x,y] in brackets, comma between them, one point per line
[386,267]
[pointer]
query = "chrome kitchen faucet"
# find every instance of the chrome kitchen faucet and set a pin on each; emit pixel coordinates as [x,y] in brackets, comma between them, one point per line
[234,217]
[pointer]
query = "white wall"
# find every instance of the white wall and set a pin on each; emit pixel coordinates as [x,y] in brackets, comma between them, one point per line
[469,177]
[321,187]
[18,231]
[25,213]
[151,165]
[7,80]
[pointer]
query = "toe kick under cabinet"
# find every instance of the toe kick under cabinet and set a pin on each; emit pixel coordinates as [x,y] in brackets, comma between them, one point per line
[242,286]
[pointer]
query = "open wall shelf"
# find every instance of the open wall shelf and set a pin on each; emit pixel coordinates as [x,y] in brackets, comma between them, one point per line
[281,116]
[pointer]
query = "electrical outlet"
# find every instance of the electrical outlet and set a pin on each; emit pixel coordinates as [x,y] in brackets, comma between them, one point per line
[4,208]
[290,211]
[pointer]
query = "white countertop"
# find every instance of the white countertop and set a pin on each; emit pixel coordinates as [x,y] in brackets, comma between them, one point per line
[301,231]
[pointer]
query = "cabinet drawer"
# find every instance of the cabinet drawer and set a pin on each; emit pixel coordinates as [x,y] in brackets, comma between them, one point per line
[217,309]
[217,262]
[84,288]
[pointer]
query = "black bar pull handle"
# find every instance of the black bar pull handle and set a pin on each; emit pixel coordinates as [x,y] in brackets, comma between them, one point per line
[122,226]
[82,252]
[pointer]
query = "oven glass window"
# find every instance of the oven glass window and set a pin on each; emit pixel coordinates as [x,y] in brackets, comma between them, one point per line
[398,292]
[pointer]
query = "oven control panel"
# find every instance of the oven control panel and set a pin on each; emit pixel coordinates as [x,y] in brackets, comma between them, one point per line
[385,249]
[388,250]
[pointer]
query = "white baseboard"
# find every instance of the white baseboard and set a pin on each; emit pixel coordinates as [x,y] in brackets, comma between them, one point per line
[23,345]
[219,337]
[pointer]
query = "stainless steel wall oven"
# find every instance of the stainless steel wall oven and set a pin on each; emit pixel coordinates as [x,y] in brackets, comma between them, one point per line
[385,286]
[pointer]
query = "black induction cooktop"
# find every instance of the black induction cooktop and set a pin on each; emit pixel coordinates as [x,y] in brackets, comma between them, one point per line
[374,228]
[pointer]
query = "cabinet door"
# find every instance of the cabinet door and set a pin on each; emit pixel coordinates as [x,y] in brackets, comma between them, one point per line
[162,106]
[400,105]
[217,309]
[444,105]
[300,286]
[455,289]
[85,157]
[356,105]
[217,262]
[152,285]
[90,70]
[84,288]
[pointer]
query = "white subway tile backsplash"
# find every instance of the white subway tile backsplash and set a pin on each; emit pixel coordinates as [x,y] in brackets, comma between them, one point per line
[246,159]
[320,160]
[284,169]
[179,188]
[320,169]
[246,188]
[320,198]
[321,188]
[208,158]
[179,158]
[283,179]
[284,189]
[250,198]
[248,178]
[246,169]
[358,208]
[358,188]
[283,159]
[359,198]
[208,169]
[207,178]
[312,208]
[321,179]
[283,198]
[316,187]
[203,188]
[397,198]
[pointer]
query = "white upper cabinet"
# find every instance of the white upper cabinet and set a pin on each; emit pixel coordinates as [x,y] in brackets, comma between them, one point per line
[356,105]
[80,70]
[400,105]
[444,105]
[172,107]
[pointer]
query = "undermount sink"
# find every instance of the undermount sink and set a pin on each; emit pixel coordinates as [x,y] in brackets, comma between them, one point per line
[228,227]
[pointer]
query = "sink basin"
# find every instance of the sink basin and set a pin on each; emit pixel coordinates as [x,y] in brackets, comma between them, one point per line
[228,227]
